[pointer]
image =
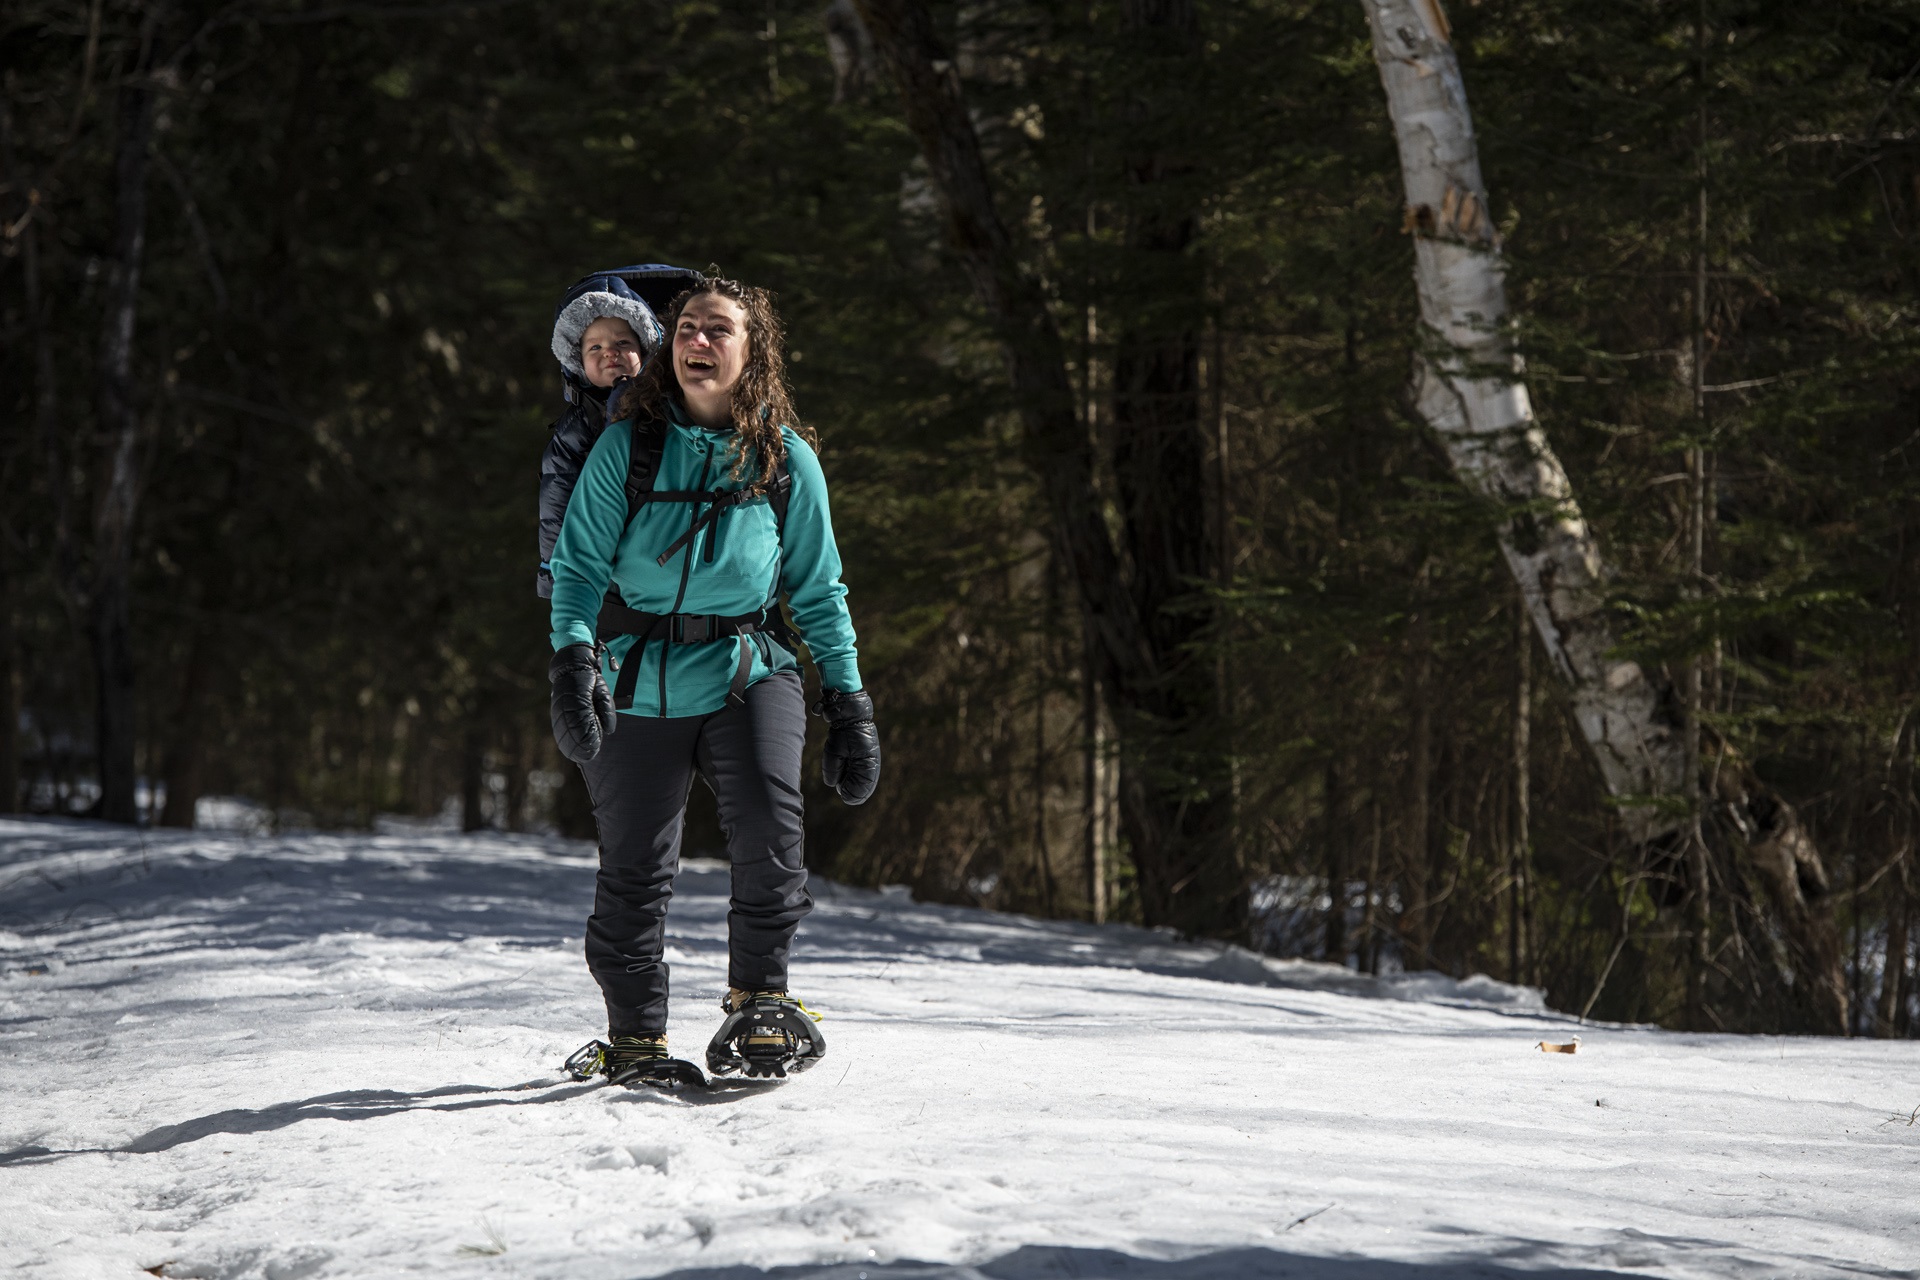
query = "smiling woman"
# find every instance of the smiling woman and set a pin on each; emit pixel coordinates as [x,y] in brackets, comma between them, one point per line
[709,351]
[728,373]
[667,580]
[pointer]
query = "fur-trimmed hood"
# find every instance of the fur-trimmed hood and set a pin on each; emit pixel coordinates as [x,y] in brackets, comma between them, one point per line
[587,301]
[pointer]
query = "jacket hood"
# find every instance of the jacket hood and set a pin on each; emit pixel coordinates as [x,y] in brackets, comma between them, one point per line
[586,302]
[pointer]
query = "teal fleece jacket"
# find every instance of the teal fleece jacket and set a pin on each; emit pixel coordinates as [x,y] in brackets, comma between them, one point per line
[749,563]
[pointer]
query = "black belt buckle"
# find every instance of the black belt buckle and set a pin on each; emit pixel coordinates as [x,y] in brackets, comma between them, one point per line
[693,628]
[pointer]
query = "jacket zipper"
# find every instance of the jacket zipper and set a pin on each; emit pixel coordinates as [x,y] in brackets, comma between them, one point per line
[686,571]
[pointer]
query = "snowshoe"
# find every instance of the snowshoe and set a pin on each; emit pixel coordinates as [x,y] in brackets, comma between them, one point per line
[767,1034]
[634,1061]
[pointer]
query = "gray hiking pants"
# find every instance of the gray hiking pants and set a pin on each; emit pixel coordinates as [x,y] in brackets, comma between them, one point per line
[750,756]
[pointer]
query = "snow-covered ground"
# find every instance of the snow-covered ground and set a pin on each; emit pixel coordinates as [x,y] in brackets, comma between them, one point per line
[257,1057]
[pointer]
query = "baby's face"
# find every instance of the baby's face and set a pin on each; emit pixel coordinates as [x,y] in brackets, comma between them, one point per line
[610,350]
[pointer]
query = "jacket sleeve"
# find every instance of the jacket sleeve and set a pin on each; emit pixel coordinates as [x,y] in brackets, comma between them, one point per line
[810,571]
[567,448]
[589,536]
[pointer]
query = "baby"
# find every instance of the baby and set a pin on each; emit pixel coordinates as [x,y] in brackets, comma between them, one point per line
[602,333]
[609,351]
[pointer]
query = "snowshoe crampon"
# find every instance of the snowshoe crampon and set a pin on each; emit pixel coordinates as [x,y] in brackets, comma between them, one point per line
[620,1064]
[768,1036]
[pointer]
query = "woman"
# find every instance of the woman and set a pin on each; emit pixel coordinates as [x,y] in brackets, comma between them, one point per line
[678,510]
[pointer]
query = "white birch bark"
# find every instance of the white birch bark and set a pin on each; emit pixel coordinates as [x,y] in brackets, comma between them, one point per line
[1467,385]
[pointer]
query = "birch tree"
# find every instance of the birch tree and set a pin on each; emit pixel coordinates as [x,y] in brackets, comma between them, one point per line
[1468,387]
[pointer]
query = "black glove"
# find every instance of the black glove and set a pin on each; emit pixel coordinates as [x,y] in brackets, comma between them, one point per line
[582,707]
[852,763]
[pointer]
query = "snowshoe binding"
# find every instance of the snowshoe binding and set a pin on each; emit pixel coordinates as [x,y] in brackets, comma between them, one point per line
[634,1061]
[767,1034]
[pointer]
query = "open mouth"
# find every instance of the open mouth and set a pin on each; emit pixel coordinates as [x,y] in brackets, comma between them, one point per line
[698,362]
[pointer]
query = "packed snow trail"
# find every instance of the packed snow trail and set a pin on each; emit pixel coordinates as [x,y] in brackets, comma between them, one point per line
[322,1056]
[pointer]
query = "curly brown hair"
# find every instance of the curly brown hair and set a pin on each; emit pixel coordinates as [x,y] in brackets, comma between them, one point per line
[762,400]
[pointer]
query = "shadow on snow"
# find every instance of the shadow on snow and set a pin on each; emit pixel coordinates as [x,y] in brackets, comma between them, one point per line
[1049,1262]
[371,1104]
[353,1104]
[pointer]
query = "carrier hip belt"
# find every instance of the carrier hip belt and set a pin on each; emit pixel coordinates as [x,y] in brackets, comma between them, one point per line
[681,628]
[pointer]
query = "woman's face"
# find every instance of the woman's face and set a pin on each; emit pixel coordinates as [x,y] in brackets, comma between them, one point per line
[609,351]
[710,346]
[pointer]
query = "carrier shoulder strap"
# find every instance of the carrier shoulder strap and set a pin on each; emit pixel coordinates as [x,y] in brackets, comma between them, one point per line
[779,493]
[647,442]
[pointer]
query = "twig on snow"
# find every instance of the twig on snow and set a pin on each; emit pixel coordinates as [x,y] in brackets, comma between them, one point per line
[1305,1217]
[495,1246]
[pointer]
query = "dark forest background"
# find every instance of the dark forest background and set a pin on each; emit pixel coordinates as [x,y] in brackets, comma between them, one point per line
[275,305]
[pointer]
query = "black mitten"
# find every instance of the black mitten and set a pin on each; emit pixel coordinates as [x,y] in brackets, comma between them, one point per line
[852,763]
[582,707]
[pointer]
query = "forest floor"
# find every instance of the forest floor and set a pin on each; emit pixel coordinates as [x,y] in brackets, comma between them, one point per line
[316,1056]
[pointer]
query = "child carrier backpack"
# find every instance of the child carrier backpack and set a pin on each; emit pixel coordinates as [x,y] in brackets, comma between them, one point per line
[634,294]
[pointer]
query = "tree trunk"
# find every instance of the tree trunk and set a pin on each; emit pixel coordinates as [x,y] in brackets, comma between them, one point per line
[849,50]
[1788,866]
[1466,385]
[1699,867]
[1186,879]
[1520,864]
[1369,957]
[1159,464]
[1337,830]
[117,504]
[473,777]
[1042,849]
[1099,798]
[516,765]
[186,754]
[9,697]
[46,417]
[1415,851]
[1894,971]
[186,742]
[10,538]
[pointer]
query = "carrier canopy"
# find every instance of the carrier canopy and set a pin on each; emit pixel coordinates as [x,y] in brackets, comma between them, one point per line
[637,294]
